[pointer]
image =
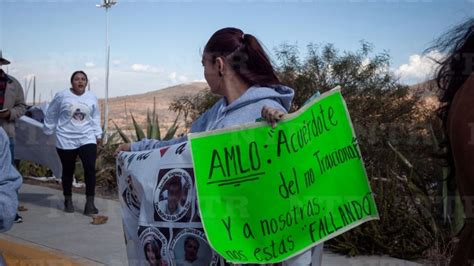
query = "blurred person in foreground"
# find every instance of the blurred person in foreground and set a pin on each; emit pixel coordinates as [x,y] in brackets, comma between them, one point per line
[10,182]
[12,107]
[455,79]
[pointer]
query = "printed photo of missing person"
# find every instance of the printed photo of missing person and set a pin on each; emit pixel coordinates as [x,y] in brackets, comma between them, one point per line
[78,116]
[173,196]
[190,247]
[154,245]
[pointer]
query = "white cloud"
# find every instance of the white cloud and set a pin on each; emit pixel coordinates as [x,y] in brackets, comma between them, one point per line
[116,62]
[145,68]
[175,78]
[173,75]
[420,68]
[90,64]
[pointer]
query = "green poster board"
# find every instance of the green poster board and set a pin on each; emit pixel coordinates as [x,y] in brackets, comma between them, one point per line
[267,194]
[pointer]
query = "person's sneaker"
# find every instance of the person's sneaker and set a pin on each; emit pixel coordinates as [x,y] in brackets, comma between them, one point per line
[18,219]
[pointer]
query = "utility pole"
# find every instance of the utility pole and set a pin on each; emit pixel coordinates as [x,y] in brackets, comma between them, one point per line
[106,4]
[34,90]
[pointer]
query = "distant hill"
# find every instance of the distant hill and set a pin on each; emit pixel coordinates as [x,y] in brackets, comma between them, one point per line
[139,103]
[121,107]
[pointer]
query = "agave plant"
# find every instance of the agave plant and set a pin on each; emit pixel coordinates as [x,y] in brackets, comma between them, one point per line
[105,163]
[28,168]
[152,127]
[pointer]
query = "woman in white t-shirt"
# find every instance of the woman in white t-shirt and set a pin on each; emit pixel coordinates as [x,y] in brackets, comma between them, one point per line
[75,117]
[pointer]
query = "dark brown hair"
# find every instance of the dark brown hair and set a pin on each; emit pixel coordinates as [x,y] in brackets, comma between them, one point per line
[175,181]
[155,247]
[245,54]
[453,71]
[79,72]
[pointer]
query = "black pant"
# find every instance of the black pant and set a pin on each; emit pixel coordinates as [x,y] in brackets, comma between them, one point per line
[88,155]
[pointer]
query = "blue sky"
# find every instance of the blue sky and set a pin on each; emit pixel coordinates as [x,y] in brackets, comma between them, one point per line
[156,44]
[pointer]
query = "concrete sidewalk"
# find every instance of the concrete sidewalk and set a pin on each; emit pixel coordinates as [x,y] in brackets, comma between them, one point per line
[47,227]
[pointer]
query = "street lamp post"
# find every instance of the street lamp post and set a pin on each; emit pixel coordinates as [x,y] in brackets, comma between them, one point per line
[106,4]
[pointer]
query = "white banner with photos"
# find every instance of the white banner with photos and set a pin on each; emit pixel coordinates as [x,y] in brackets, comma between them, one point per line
[159,206]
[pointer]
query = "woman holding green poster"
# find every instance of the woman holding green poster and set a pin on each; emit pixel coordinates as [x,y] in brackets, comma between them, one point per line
[237,68]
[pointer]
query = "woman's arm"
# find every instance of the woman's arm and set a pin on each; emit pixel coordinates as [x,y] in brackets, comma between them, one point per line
[150,144]
[52,115]
[96,120]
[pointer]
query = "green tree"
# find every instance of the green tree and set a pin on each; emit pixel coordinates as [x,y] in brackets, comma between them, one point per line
[193,106]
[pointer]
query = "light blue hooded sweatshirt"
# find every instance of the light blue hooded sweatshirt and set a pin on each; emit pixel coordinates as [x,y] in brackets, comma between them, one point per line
[10,182]
[246,109]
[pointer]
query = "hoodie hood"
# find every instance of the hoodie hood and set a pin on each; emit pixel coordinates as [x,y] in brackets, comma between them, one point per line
[279,93]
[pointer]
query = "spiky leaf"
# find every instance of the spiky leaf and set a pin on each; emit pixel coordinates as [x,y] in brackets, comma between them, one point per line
[124,137]
[172,130]
[148,124]
[138,129]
